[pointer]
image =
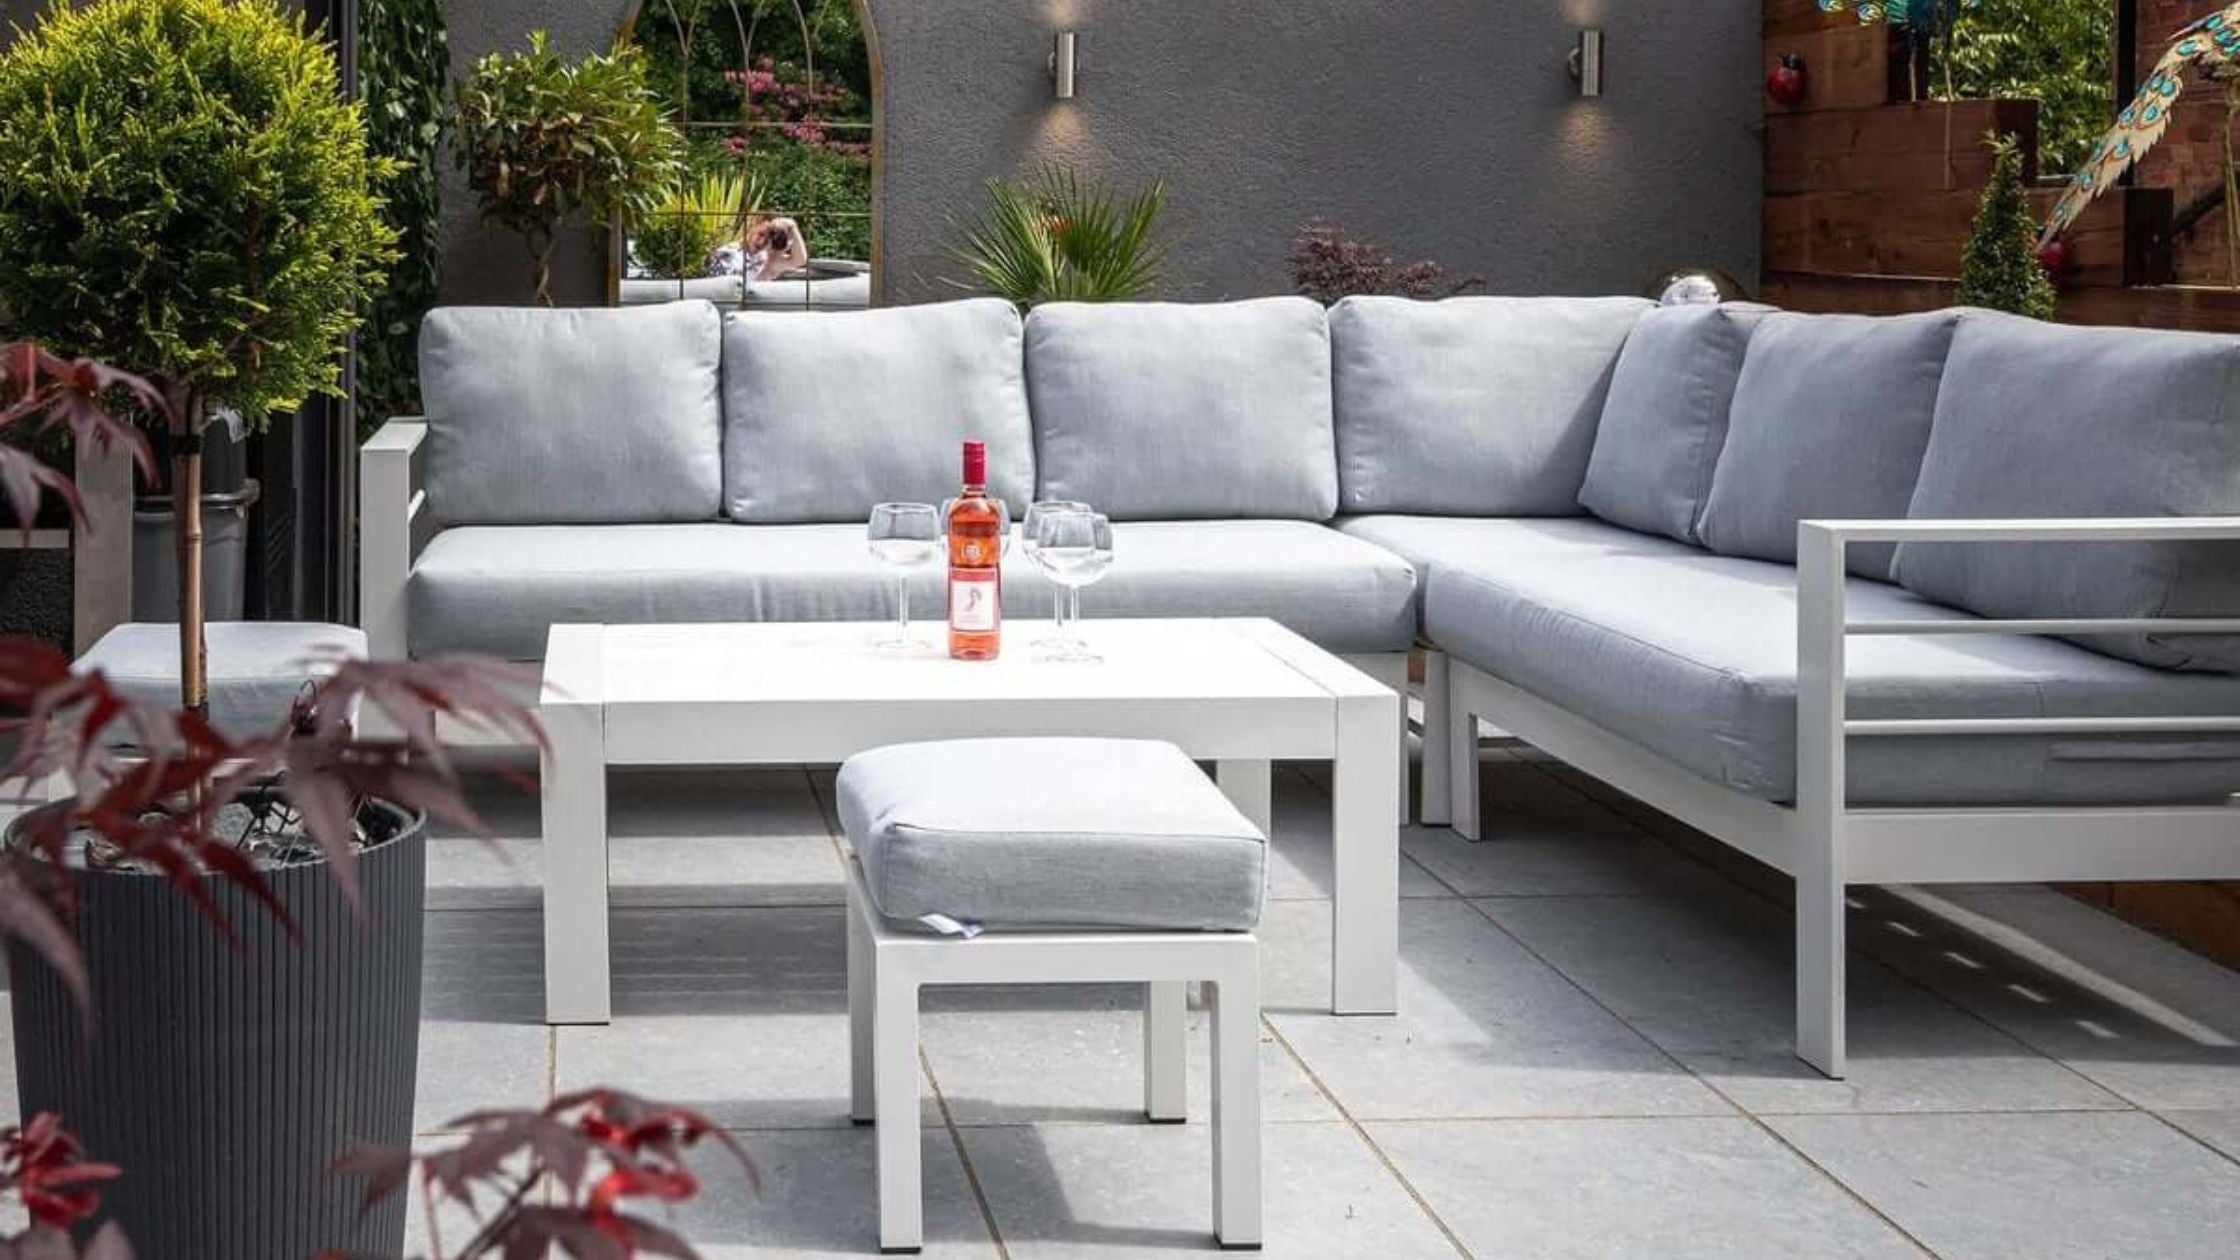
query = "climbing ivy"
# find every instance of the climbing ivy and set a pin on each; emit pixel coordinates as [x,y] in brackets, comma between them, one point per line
[404,64]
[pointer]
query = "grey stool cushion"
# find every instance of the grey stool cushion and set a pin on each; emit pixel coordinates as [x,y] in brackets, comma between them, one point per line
[256,668]
[1024,833]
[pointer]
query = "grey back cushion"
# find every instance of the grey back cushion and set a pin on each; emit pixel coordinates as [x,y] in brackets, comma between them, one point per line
[1154,410]
[2041,420]
[1476,406]
[1666,418]
[1829,420]
[826,414]
[572,416]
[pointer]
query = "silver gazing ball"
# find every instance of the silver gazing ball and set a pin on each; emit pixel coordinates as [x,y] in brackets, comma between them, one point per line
[1694,286]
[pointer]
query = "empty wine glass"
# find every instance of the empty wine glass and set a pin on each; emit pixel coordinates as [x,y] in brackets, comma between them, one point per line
[904,537]
[1062,598]
[1074,548]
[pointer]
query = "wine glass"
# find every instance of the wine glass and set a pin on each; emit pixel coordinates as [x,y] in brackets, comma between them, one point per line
[1061,597]
[904,537]
[1074,548]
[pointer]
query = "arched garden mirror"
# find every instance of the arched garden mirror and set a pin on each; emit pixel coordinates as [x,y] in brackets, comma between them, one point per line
[777,100]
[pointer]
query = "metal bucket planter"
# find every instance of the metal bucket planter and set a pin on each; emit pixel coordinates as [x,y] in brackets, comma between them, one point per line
[223,1081]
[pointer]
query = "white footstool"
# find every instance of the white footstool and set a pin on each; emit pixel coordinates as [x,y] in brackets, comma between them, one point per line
[256,669]
[1066,861]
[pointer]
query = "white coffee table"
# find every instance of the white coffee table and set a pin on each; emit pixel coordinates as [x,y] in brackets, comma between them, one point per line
[1240,693]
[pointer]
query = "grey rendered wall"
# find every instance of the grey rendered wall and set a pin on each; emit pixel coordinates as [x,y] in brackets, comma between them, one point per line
[1445,127]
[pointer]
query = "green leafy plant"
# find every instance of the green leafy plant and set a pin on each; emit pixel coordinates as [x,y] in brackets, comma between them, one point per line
[185,193]
[542,138]
[404,69]
[2060,53]
[1999,269]
[1052,238]
[693,220]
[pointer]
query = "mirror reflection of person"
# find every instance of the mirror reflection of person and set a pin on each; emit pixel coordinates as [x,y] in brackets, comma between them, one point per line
[771,247]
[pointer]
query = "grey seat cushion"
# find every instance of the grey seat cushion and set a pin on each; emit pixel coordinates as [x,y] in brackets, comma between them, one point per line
[1829,420]
[1171,411]
[1478,406]
[1665,419]
[1693,656]
[2041,420]
[542,416]
[1026,833]
[1345,594]
[255,669]
[498,589]
[828,413]
[1428,542]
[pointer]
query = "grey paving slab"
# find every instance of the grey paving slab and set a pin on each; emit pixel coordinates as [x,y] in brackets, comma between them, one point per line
[1484,1028]
[483,1042]
[765,1070]
[729,961]
[1300,863]
[2220,1129]
[810,1194]
[1677,1189]
[2138,1015]
[1056,1053]
[1065,1190]
[728,837]
[1709,978]
[2047,1186]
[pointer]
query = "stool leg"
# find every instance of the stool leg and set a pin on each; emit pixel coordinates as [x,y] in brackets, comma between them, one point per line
[1234,1002]
[1166,1020]
[895,1087]
[861,987]
[1250,786]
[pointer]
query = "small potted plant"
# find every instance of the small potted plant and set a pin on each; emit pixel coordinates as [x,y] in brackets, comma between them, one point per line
[542,138]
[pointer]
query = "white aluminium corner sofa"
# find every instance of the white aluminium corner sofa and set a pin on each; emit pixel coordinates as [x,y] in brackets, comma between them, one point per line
[1953,596]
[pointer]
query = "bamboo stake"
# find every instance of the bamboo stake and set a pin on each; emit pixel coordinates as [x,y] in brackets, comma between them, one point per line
[186,492]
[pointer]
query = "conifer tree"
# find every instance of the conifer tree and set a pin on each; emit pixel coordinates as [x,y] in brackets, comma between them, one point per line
[1999,268]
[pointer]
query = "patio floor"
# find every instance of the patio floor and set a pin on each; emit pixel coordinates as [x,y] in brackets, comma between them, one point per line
[1591,1057]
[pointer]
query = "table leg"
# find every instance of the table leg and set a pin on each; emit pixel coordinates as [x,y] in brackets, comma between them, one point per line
[1365,843]
[1166,1051]
[1250,786]
[577,983]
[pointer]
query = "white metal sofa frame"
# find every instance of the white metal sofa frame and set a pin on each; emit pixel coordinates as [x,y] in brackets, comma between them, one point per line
[1828,844]
[393,526]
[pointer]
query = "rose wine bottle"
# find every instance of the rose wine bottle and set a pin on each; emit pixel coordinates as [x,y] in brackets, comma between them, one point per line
[975,564]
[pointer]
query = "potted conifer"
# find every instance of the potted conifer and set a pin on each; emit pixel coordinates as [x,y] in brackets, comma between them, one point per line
[185,193]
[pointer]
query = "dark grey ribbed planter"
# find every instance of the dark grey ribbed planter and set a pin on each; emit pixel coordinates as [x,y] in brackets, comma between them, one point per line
[224,1082]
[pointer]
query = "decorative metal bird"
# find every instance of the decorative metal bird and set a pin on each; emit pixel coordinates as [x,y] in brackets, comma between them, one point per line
[1924,23]
[2210,45]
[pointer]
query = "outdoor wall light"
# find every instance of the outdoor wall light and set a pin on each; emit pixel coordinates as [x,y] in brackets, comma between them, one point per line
[1065,60]
[1586,61]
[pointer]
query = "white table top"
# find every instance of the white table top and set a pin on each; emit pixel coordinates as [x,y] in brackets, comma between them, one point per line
[836,662]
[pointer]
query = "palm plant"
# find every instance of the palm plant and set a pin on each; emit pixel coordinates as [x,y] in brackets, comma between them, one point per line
[1053,238]
[694,219]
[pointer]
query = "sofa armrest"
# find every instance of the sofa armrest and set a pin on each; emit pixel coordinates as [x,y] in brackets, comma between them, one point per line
[1824,626]
[389,506]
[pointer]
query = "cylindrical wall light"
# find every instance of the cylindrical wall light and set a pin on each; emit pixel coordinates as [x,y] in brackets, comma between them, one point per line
[1064,62]
[1586,61]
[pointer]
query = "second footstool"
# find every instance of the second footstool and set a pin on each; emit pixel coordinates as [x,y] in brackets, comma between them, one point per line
[1040,861]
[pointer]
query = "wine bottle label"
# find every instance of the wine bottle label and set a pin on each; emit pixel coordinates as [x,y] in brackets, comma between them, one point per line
[972,600]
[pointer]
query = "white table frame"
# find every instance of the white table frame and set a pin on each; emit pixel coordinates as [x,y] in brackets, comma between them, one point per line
[1340,714]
